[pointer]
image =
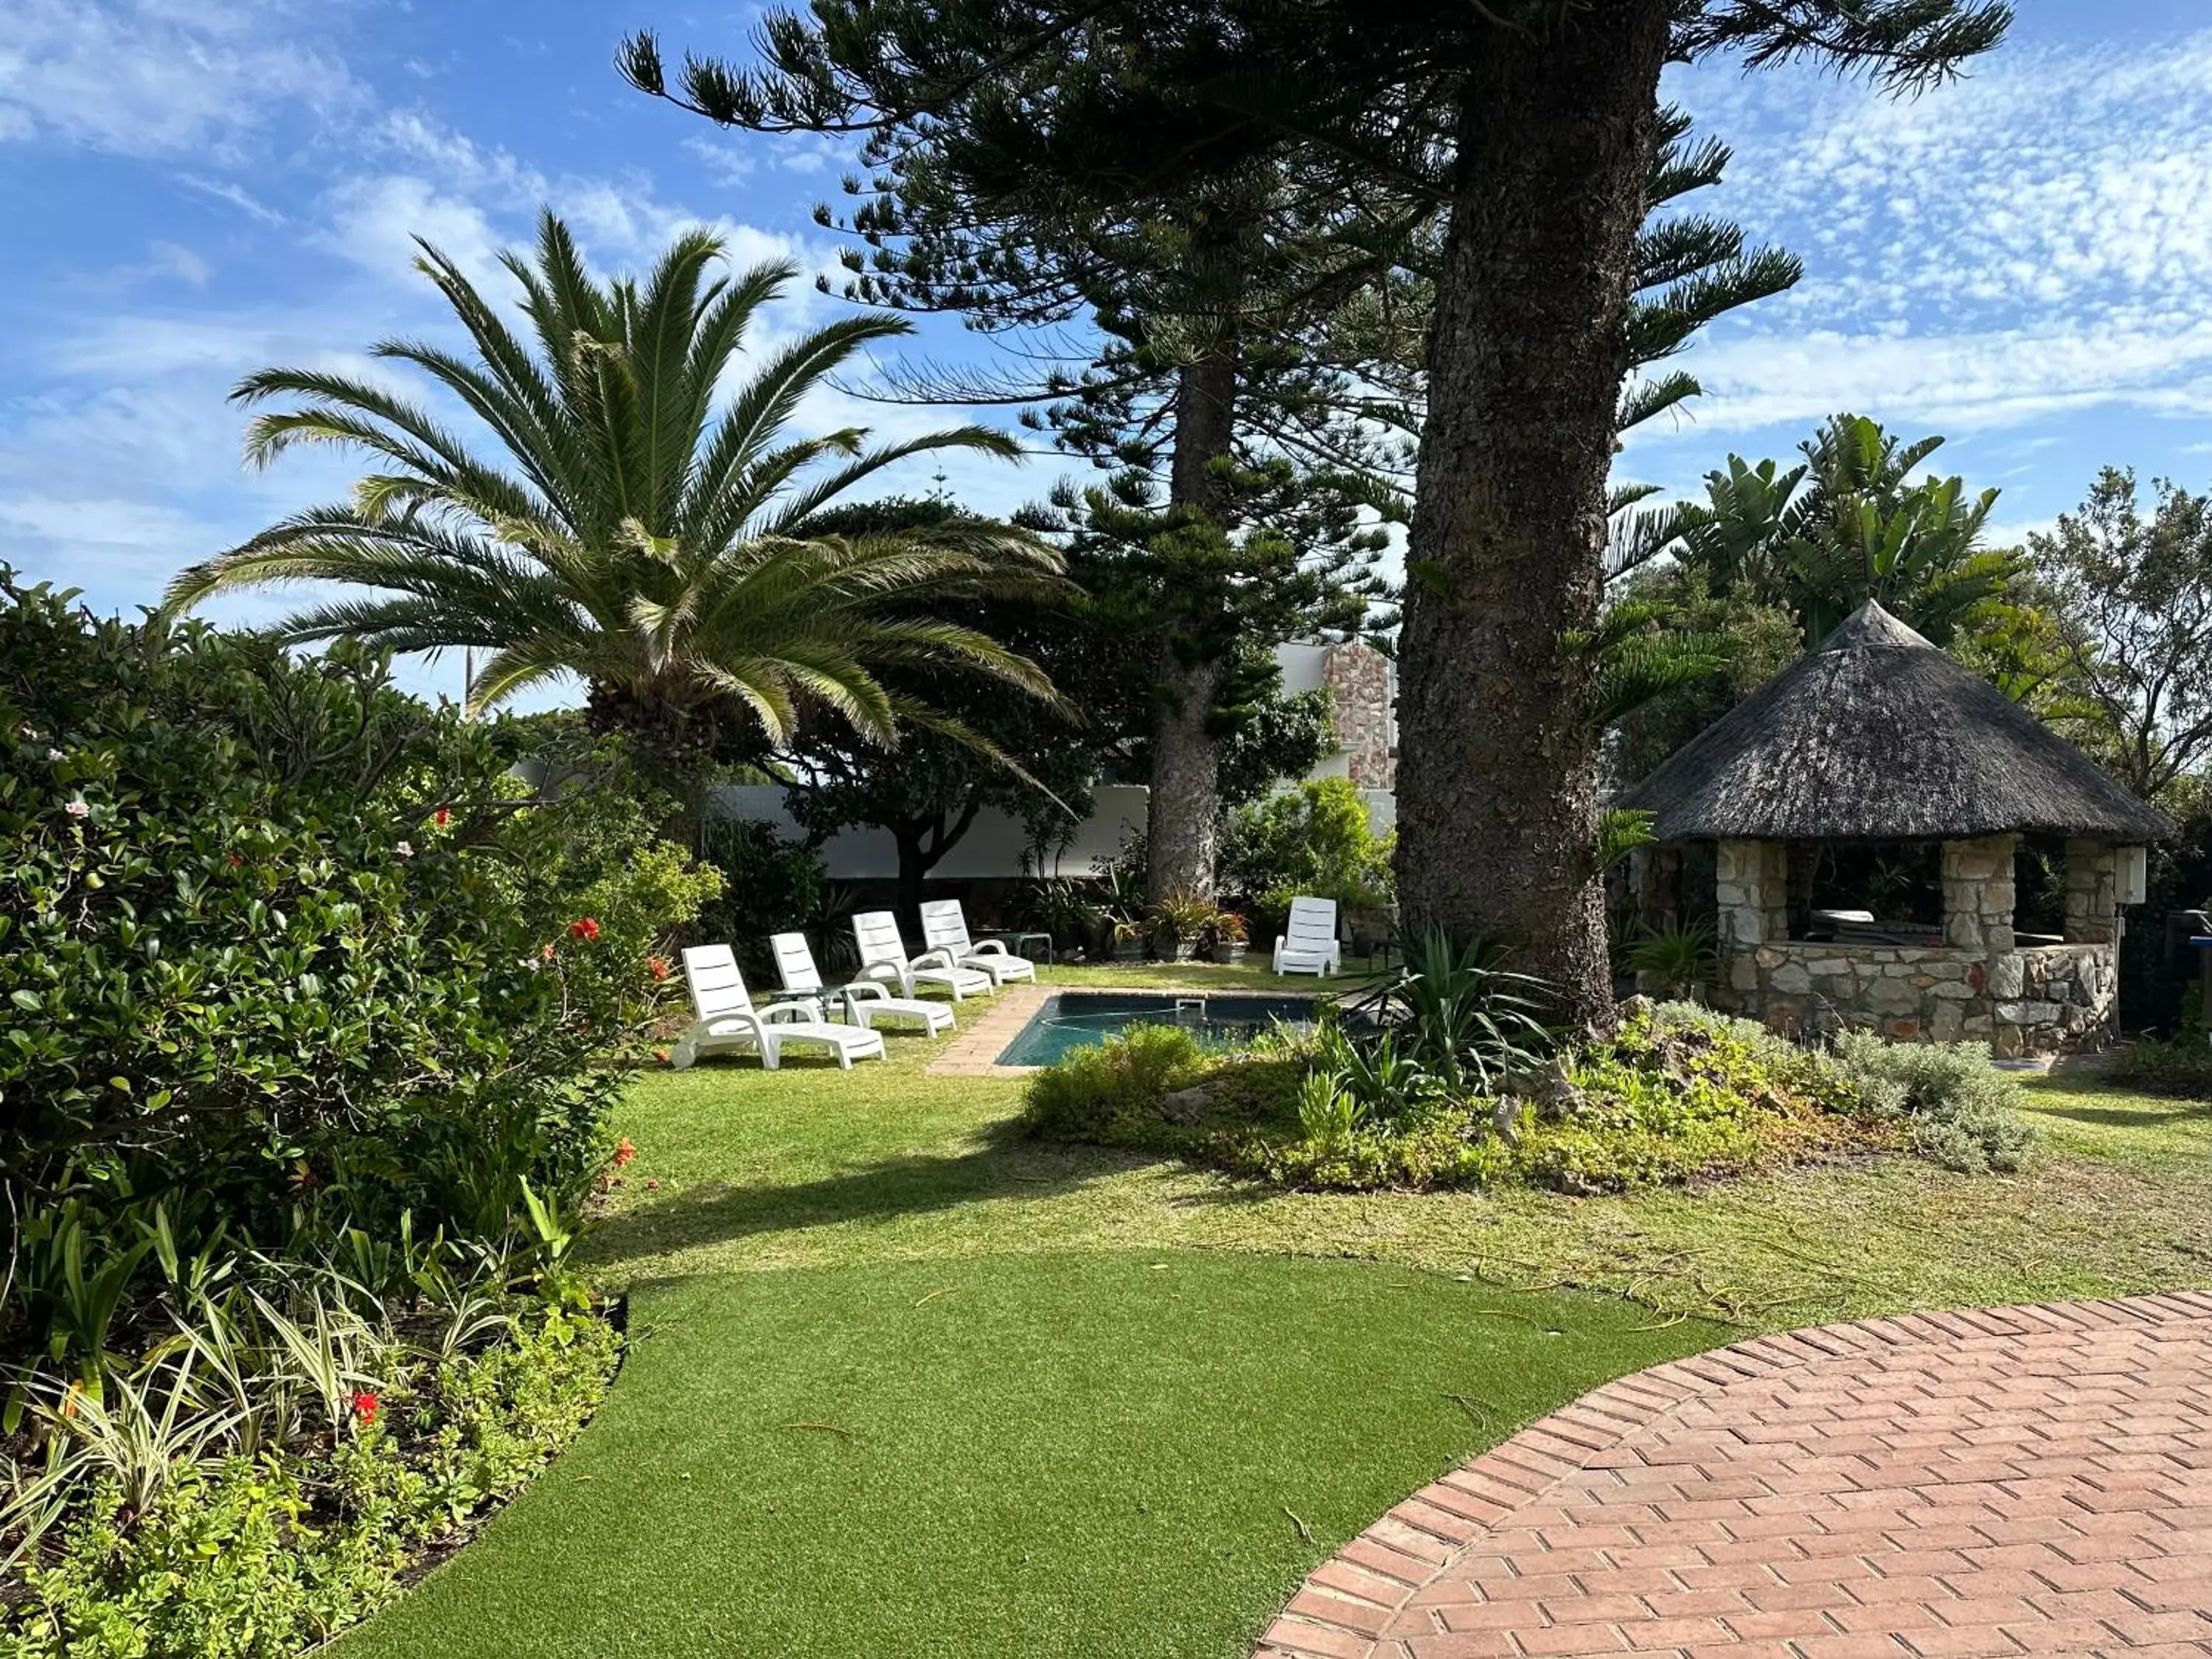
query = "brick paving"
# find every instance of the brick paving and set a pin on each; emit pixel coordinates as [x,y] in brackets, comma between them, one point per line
[987,1025]
[2012,1480]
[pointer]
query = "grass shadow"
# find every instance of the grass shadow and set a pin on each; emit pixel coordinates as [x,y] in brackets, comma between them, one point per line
[2127,1117]
[1007,1166]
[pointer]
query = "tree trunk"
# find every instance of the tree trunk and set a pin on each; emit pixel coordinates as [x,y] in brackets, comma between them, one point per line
[1498,772]
[913,870]
[1183,823]
[1183,820]
[922,844]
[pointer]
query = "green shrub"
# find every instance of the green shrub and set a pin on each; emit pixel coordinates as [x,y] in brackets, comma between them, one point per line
[1958,1109]
[257,1556]
[1314,839]
[2182,1067]
[288,954]
[1681,1092]
[770,886]
[1111,1093]
[1457,1015]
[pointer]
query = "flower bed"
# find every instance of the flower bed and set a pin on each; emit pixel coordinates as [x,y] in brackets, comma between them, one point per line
[1678,1094]
[248,1545]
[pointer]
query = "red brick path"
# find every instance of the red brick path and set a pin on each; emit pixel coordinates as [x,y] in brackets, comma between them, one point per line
[2007,1480]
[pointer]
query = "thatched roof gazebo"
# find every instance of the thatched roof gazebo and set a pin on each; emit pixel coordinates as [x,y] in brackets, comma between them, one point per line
[1877,737]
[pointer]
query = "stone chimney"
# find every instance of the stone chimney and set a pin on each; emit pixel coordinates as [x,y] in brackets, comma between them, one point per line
[1361,702]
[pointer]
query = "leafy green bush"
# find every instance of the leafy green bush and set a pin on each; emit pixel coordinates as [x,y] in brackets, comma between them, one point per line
[1111,1093]
[1314,839]
[1681,1092]
[770,886]
[1458,1015]
[1958,1109]
[2182,1067]
[287,956]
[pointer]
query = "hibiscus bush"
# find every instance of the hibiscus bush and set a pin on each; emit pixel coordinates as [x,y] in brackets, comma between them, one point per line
[286,953]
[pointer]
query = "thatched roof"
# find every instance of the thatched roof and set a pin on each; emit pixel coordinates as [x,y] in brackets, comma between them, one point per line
[1877,735]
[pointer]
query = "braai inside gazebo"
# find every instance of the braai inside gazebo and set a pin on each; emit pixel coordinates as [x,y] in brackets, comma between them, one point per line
[1877,745]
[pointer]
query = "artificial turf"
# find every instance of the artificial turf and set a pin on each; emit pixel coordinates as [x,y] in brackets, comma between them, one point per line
[1128,1454]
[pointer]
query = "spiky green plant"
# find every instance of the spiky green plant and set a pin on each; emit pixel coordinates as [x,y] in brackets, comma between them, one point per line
[642,530]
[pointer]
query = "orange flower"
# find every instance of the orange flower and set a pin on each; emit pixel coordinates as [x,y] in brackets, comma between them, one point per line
[657,966]
[583,928]
[624,1152]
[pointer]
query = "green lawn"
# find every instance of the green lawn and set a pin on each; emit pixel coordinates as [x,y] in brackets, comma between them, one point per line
[1091,1453]
[1070,1396]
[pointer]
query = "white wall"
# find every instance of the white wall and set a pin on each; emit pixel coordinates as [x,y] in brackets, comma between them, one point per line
[994,846]
[1304,667]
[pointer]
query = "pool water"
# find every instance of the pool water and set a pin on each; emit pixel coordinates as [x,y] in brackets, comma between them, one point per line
[1084,1019]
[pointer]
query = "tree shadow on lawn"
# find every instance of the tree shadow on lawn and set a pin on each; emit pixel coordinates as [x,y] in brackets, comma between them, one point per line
[1009,1165]
[2175,1114]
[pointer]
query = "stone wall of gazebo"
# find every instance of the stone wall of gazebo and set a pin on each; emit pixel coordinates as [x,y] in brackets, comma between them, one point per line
[1978,984]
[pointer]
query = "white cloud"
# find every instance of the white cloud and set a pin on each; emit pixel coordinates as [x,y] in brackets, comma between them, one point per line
[237,195]
[2035,239]
[373,223]
[172,259]
[729,163]
[1963,382]
[153,77]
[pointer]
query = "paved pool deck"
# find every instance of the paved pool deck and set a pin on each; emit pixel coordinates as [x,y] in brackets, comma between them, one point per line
[987,1025]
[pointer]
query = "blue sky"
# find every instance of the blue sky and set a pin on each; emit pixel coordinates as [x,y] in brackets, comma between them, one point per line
[193,189]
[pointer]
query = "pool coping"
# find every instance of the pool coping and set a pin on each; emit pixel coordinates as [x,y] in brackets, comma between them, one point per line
[973,1050]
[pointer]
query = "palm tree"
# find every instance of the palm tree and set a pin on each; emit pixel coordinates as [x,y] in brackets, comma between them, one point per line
[1861,529]
[642,533]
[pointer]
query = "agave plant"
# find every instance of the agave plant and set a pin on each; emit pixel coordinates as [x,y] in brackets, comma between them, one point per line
[1458,1015]
[644,532]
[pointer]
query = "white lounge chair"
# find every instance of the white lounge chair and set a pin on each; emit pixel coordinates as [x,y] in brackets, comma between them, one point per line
[867,1000]
[727,1019]
[883,956]
[1308,943]
[945,928]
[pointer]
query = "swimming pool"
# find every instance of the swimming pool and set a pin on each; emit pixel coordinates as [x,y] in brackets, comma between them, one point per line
[1083,1019]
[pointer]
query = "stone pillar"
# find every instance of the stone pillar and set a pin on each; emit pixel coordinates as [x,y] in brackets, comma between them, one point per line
[1978,893]
[2093,893]
[1751,886]
[1357,677]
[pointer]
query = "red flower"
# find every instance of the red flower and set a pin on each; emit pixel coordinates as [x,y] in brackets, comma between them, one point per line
[546,951]
[233,860]
[657,966]
[442,817]
[583,928]
[624,1152]
[364,1408]
[662,1055]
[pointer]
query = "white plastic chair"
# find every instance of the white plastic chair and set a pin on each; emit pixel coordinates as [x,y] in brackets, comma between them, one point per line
[945,928]
[1309,943]
[727,1019]
[867,1000]
[883,956]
